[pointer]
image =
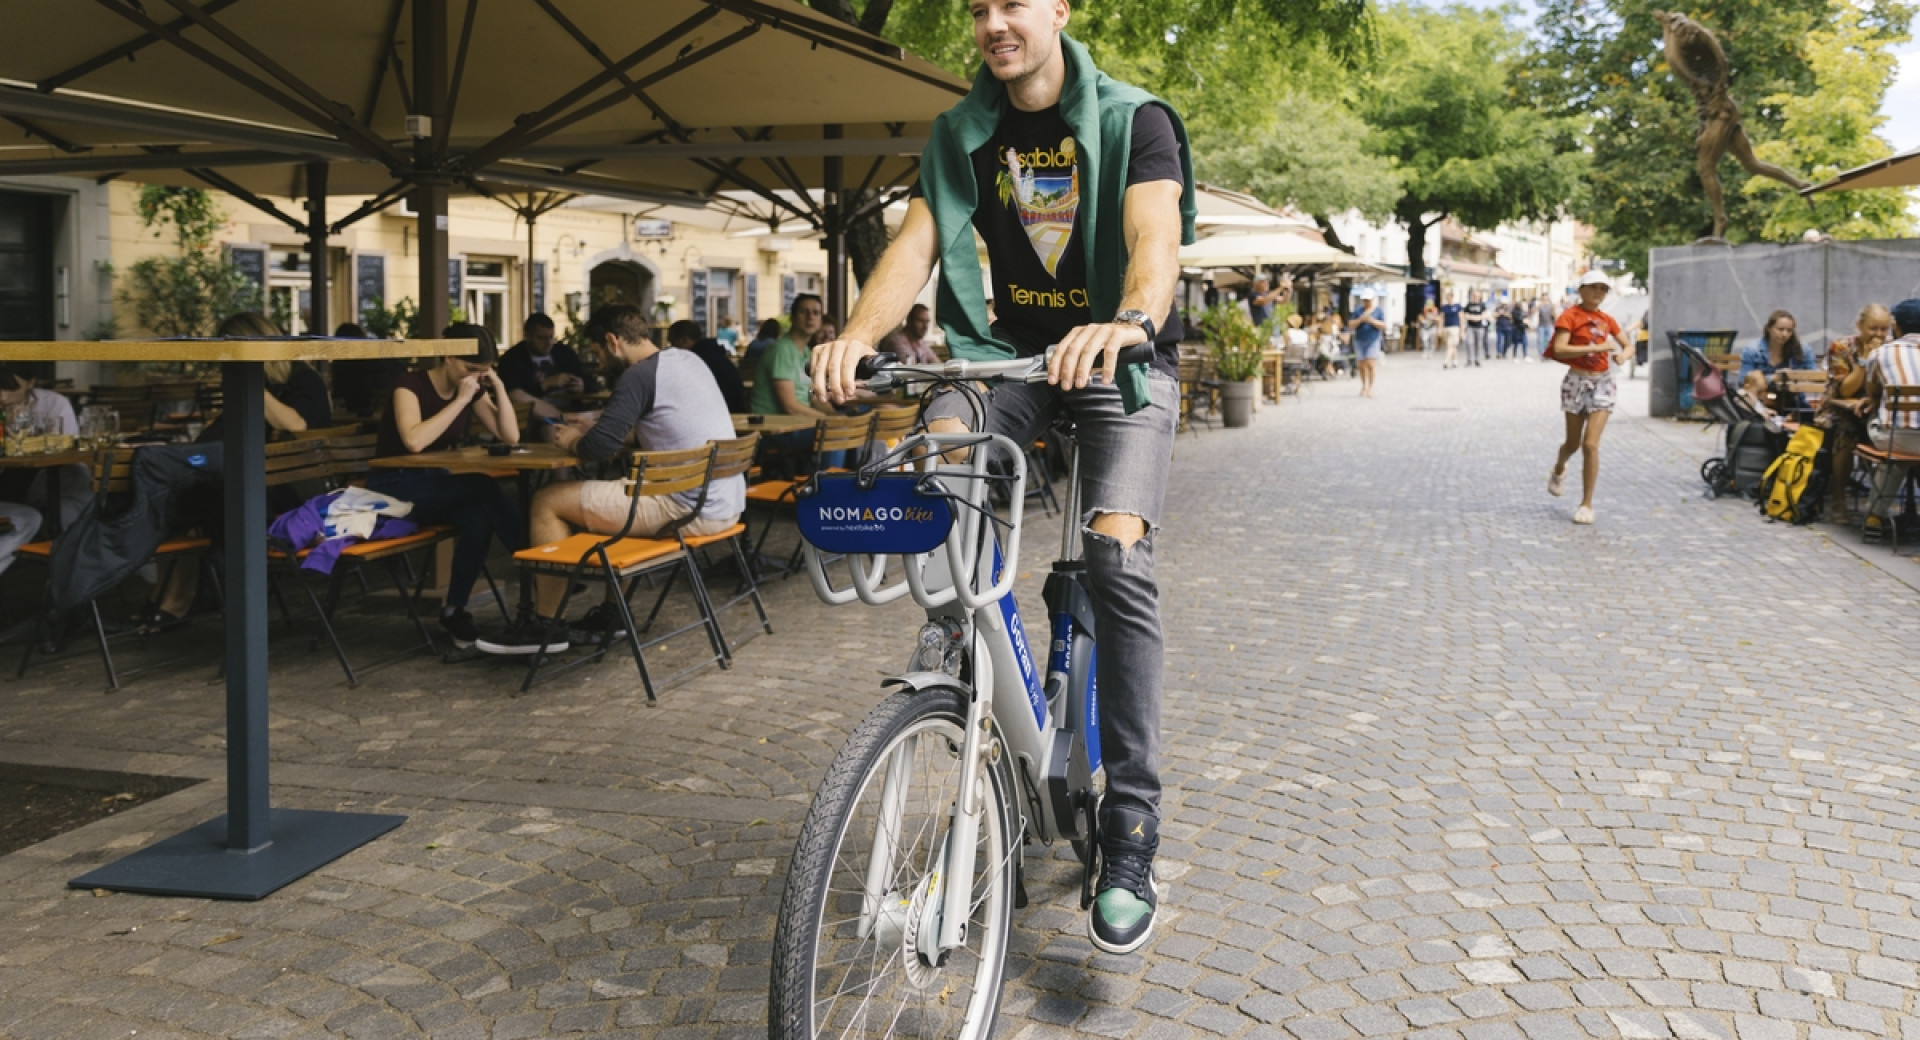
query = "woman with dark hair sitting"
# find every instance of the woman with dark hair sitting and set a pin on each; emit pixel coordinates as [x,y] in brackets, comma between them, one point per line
[1777,350]
[433,411]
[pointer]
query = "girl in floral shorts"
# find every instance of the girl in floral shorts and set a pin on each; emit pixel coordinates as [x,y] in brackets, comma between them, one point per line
[1585,339]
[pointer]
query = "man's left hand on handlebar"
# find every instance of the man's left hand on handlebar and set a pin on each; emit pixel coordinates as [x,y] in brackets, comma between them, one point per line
[1072,363]
[832,368]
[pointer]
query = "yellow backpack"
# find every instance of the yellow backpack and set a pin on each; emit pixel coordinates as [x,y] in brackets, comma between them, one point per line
[1784,486]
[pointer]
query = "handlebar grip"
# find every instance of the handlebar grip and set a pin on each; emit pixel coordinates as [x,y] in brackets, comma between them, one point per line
[870,366]
[1138,354]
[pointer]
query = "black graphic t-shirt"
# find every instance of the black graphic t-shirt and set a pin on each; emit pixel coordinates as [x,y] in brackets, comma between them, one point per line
[1029,216]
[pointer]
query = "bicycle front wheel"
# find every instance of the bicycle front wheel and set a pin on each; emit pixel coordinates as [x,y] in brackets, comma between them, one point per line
[851,956]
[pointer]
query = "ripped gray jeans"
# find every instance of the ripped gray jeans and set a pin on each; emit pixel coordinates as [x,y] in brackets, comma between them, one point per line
[1123,469]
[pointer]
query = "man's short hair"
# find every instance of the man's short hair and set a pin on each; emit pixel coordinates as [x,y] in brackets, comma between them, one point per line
[536,323]
[14,375]
[684,329]
[918,308]
[793,309]
[1906,315]
[625,321]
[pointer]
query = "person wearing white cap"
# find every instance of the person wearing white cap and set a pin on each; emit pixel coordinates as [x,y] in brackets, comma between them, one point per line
[1587,340]
[1369,325]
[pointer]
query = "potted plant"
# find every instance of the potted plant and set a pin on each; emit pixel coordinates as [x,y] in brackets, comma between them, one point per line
[1237,349]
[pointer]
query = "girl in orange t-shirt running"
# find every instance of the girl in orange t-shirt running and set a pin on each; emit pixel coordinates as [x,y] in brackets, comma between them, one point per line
[1588,341]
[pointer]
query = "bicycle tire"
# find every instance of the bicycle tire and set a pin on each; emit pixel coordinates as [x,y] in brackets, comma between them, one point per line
[958,999]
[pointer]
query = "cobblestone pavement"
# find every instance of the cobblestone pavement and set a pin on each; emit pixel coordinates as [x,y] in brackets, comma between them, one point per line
[1440,765]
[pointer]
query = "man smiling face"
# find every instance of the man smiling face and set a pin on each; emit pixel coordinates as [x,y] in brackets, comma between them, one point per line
[1017,38]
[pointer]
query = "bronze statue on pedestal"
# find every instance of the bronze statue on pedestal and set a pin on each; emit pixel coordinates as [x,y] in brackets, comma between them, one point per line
[1695,57]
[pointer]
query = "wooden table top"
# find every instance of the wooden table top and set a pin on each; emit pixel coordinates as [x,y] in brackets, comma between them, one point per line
[301,349]
[529,457]
[58,458]
[744,424]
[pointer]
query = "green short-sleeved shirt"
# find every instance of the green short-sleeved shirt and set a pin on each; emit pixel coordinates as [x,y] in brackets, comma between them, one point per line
[784,360]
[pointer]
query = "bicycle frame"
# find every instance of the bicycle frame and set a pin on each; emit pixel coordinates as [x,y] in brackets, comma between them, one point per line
[1034,716]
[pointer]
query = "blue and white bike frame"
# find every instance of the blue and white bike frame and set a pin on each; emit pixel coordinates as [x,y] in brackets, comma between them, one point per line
[973,642]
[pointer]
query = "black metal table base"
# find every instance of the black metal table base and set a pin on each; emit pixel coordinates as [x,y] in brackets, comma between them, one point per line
[199,863]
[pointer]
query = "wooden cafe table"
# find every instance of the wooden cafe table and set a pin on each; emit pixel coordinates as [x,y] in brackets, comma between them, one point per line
[254,849]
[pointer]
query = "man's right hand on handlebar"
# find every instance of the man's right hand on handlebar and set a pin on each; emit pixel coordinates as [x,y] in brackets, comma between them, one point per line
[832,368]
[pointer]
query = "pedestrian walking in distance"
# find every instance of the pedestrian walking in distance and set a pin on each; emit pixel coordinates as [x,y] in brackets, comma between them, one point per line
[1588,341]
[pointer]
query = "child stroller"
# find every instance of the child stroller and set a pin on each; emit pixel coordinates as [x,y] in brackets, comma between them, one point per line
[1750,445]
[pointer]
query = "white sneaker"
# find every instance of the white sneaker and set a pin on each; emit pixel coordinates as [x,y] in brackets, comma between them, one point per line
[1583,515]
[1557,483]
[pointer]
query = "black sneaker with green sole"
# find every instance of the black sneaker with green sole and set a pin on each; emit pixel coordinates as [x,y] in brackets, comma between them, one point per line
[1126,896]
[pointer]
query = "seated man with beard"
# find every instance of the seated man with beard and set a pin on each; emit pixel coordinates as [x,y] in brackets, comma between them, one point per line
[665,399]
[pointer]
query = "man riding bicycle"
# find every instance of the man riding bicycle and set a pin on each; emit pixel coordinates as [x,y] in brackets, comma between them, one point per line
[1082,188]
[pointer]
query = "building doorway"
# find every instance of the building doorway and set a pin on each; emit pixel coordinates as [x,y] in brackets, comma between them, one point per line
[486,296]
[620,281]
[26,266]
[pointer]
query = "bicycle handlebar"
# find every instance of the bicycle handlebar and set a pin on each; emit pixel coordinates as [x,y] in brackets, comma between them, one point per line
[883,371]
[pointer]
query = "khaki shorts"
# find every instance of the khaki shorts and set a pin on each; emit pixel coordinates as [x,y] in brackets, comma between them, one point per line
[604,505]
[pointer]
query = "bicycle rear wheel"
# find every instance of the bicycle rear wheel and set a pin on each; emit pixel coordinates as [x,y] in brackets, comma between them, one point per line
[846,960]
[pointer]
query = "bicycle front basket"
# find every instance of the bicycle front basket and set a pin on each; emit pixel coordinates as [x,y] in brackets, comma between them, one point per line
[837,516]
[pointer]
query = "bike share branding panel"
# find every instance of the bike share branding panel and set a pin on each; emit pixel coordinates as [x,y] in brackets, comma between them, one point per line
[892,516]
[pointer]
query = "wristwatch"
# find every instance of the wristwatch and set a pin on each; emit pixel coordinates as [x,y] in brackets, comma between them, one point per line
[1139,318]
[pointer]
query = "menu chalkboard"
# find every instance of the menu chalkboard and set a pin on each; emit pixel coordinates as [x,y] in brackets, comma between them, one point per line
[539,287]
[369,282]
[750,304]
[252,263]
[697,289]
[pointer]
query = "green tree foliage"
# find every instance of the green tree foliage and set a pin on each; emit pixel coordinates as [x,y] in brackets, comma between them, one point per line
[1313,157]
[192,293]
[1220,63]
[1602,61]
[1836,128]
[1442,108]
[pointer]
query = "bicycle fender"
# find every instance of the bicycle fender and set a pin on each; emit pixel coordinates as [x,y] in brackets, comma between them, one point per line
[920,682]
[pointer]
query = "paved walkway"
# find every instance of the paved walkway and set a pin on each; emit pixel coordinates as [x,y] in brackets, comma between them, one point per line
[1440,764]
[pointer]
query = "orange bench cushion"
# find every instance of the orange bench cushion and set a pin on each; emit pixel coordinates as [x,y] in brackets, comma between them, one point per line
[383,546]
[574,551]
[1865,451]
[171,545]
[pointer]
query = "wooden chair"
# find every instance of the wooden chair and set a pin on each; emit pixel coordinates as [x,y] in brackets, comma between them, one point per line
[621,561]
[834,433]
[1197,393]
[113,479]
[1896,401]
[891,424]
[1295,364]
[1810,385]
[348,463]
[132,403]
[731,458]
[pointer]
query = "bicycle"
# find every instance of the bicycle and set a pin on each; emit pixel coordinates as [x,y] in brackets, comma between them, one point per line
[937,783]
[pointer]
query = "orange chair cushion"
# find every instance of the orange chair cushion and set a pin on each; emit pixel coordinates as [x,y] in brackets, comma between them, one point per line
[168,547]
[574,551]
[698,540]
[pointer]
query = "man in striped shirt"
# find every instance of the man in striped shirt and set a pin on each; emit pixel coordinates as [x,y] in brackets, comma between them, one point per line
[1894,364]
